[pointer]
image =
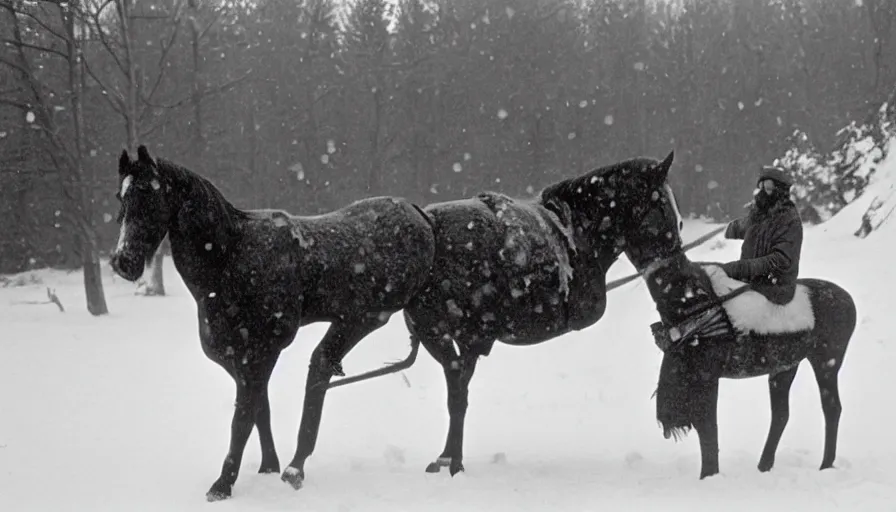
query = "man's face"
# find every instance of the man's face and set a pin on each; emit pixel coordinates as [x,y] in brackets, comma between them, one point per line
[765,193]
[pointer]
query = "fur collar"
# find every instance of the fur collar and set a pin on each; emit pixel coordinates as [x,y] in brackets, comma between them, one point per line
[784,208]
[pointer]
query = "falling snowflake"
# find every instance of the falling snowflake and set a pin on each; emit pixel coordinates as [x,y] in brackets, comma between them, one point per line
[29,117]
[467,156]
[325,159]
[639,66]
[457,167]
[571,135]
[698,168]
[608,120]
[712,185]
[583,103]
[331,146]
[502,114]
[740,105]
[107,218]
[299,169]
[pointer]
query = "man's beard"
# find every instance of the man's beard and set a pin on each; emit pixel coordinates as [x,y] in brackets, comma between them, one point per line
[763,201]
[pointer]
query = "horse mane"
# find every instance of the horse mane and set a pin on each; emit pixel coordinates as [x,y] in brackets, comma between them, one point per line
[203,196]
[576,185]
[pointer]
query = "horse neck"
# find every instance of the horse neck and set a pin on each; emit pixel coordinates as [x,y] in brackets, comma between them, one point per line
[676,286]
[203,223]
[604,255]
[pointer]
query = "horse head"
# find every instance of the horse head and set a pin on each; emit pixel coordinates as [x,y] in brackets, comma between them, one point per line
[607,206]
[144,215]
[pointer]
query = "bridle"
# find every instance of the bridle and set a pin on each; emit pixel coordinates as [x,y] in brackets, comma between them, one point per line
[647,264]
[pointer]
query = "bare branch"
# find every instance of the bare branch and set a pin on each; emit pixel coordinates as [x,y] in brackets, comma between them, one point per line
[217,15]
[112,96]
[164,56]
[18,104]
[105,42]
[37,20]
[51,295]
[13,65]
[35,47]
[209,91]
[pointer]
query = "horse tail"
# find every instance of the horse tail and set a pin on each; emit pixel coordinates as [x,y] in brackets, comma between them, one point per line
[395,367]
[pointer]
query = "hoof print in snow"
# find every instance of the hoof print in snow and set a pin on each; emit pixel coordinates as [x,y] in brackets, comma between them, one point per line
[499,458]
[633,459]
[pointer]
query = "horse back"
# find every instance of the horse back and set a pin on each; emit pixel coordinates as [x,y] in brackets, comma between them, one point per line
[501,271]
[367,257]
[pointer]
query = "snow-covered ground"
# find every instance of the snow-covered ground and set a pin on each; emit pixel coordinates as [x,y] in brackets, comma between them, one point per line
[125,413]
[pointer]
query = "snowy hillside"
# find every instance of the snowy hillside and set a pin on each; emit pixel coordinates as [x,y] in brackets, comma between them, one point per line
[125,413]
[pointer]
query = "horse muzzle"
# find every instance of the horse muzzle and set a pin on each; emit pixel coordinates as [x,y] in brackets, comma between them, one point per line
[127,265]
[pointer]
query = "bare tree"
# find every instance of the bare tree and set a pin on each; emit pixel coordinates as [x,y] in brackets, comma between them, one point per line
[46,31]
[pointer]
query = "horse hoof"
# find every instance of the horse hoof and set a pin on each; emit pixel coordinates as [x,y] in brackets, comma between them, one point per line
[441,462]
[706,474]
[269,468]
[294,477]
[765,467]
[219,491]
[455,468]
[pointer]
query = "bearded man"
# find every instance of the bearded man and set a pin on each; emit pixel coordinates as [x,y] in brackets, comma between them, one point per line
[772,235]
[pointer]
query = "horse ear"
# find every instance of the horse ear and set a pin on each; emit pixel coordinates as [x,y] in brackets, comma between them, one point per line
[143,155]
[661,170]
[123,161]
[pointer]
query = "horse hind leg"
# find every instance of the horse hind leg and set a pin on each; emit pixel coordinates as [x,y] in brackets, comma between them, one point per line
[340,338]
[826,372]
[458,374]
[779,392]
[458,370]
[270,463]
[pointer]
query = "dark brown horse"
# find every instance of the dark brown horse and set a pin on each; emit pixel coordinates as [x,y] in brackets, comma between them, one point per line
[521,272]
[714,327]
[259,275]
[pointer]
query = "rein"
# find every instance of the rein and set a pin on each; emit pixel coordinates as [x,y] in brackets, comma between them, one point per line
[703,316]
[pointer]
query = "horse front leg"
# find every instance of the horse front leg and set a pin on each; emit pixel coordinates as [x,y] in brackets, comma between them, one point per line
[248,394]
[705,399]
[340,338]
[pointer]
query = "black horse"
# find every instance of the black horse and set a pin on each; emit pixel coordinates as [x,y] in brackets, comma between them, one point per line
[715,327]
[258,275]
[522,272]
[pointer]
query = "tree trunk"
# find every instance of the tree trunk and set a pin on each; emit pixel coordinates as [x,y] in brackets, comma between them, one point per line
[93,278]
[155,285]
